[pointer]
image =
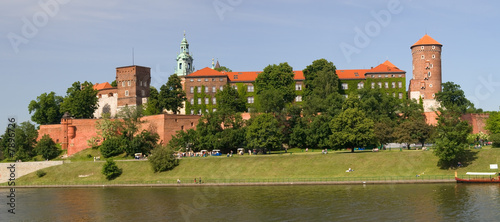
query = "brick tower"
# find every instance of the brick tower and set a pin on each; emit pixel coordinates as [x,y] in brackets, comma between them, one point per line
[133,85]
[426,81]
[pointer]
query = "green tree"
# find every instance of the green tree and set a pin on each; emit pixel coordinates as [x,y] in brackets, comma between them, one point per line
[384,131]
[46,109]
[493,123]
[172,95]
[131,116]
[162,159]
[80,101]
[25,141]
[377,105]
[113,146]
[111,170]
[263,132]
[452,97]
[223,68]
[47,148]
[351,129]
[153,104]
[275,83]
[229,100]
[209,130]
[114,84]
[142,143]
[321,82]
[184,140]
[319,131]
[451,139]
[413,130]
[108,128]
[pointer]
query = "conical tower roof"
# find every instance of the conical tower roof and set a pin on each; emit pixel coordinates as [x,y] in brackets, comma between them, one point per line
[426,40]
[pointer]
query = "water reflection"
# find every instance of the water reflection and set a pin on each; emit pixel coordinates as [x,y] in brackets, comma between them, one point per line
[423,202]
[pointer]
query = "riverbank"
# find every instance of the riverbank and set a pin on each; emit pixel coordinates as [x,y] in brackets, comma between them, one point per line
[280,169]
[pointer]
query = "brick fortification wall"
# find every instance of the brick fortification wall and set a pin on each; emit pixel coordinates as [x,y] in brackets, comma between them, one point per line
[477,121]
[73,134]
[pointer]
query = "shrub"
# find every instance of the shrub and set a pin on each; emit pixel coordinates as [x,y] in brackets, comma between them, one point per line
[40,173]
[112,147]
[495,138]
[47,148]
[111,170]
[162,158]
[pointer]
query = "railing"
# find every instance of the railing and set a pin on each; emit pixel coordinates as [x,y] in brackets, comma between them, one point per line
[247,181]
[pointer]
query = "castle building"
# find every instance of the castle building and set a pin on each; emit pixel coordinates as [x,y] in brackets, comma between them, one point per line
[184,59]
[426,81]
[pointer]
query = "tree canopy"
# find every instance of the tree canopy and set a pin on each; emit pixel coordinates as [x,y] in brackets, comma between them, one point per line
[172,95]
[275,87]
[46,109]
[452,97]
[263,132]
[153,104]
[80,100]
[229,100]
[320,82]
[351,129]
[451,138]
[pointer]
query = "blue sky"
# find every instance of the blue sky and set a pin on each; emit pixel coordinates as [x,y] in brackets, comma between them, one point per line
[47,45]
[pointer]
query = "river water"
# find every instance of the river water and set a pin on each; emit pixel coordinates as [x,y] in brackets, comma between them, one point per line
[401,202]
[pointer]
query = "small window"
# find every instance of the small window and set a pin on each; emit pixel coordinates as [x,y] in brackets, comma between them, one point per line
[345,86]
[199,89]
[345,96]
[206,89]
[206,100]
[214,110]
[126,92]
[143,93]
[429,74]
[191,80]
[192,112]
[423,57]
[298,99]
[400,84]
[213,79]
[235,77]
[394,94]
[192,101]
[298,87]
[433,47]
[250,99]
[213,89]
[386,84]
[373,85]
[430,85]
[199,80]
[206,80]
[221,88]
[235,87]
[123,83]
[361,85]
[421,47]
[380,76]
[393,85]
[221,80]
[433,95]
[191,89]
[192,124]
[140,83]
[199,101]
[379,85]
[400,95]
[128,83]
[214,100]
[432,66]
[433,56]
[199,111]
[386,76]
[250,88]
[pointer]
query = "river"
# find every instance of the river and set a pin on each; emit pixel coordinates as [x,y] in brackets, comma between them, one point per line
[390,202]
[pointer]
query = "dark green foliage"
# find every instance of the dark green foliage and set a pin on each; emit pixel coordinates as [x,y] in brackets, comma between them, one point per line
[47,148]
[495,138]
[452,97]
[40,173]
[321,82]
[351,129]
[229,100]
[162,159]
[114,84]
[110,170]
[46,109]
[25,141]
[113,146]
[172,95]
[80,101]
[208,131]
[493,123]
[264,132]
[142,143]
[451,138]
[223,68]
[377,105]
[184,140]
[275,87]
[131,116]
[318,134]
[153,104]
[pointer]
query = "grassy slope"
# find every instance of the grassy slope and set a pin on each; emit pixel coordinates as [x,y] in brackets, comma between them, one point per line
[298,165]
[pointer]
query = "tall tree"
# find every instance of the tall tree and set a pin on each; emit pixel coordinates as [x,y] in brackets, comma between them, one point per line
[275,83]
[229,100]
[47,148]
[351,129]
[153,104]
[451,139]
[25,141]
[377,105]
[264,132]
[493,123]
[172,95]
[319,131]
[80,101]
[46,109]
[321,82]
[452,97]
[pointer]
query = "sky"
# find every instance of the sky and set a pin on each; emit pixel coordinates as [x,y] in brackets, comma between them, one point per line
[46,45]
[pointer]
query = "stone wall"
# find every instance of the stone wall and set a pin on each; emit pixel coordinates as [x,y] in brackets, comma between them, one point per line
[23,168]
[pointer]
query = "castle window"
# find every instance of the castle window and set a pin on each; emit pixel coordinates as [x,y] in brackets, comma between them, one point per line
[345,86]
[123,83]
[430,85]
[421,47]
[213,89]
[361,85]
[214,110]
[214,101]
[432,66]
[386,76]
[192,124]
[298,87]
[221,80]
[213,80]
[182,127]
[206,89]
[386,84]
[433,56]
[206,110]
[206,80]
[235,87]
[192,112]
[433,47]
[393,84]
[192,102]
[429,74]
[250,88]
[400,85]
[373,85]
[221,88]
[199,80]
[298,99]
[180,65]
[394,94]
[250,99]
[199,111]
[140,83]
[191,80]
[433,95]
[199,101]
[191,89]
[380,76]
[379,85]
[422,57]
[143,93]
[235,76]
[128,83]
[345,96]
[198,89]
[400,95]
[206,100]
[126,92]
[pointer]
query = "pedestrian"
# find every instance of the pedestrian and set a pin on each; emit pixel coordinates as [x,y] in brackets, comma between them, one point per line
[200,180]
[195,180]
[178,181]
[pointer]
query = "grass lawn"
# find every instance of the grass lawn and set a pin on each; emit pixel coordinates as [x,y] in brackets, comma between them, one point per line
[308,165]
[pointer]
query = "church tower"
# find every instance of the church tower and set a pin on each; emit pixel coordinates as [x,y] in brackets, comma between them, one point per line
[426,81]
[184,59]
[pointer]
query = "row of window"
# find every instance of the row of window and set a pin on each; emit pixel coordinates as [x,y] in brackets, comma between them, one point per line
[433,47]
[129,83]
[250,100]
[400,95]
[214,101]
[207,79]
[386,76]
[143,93]
[199,111]
[423,57]
[250,88]
[386,84]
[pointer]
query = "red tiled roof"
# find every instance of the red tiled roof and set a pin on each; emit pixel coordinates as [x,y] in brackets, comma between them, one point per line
[206,72]
[351,73]
[426,40]
[386,67]
[251,76]
[100,86]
